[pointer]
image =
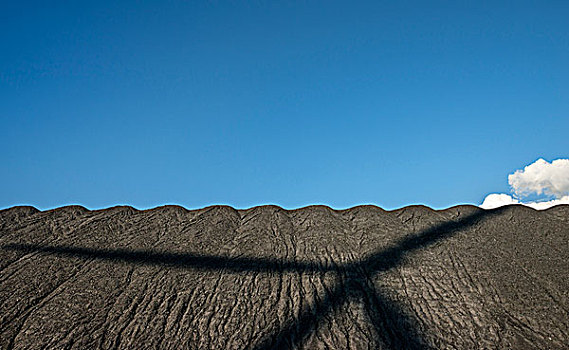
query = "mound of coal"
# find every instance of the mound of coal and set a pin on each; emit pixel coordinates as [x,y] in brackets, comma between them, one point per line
[269,278]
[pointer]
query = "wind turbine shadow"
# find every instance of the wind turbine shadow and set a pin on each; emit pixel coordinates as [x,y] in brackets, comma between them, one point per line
[393,328]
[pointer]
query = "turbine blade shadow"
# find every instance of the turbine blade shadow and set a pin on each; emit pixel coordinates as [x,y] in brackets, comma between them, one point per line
[391,257]
[181,260]
[392,326]
[296,331]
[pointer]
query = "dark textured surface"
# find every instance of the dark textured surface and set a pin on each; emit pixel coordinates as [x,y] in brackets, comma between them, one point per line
[264,278]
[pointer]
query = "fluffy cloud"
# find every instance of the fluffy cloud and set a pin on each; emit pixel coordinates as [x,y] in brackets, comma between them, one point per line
[541,177]
[550,180]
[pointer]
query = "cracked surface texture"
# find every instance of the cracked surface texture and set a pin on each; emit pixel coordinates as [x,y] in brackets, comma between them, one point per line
[269,278]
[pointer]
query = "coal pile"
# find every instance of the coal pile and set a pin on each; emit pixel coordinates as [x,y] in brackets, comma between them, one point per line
[269,278]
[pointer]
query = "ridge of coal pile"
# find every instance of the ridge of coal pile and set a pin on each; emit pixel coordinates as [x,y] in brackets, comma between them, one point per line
[269,278]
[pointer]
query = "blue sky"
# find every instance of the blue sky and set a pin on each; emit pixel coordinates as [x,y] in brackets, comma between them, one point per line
[289,103]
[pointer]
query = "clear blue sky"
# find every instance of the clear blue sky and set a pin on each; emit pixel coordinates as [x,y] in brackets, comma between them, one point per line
[290,103]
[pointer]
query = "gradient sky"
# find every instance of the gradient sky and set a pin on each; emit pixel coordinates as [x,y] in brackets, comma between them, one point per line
[289,103]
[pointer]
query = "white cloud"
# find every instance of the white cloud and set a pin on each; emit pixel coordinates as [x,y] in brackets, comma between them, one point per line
[548,204]
[541,178]
[496,200]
